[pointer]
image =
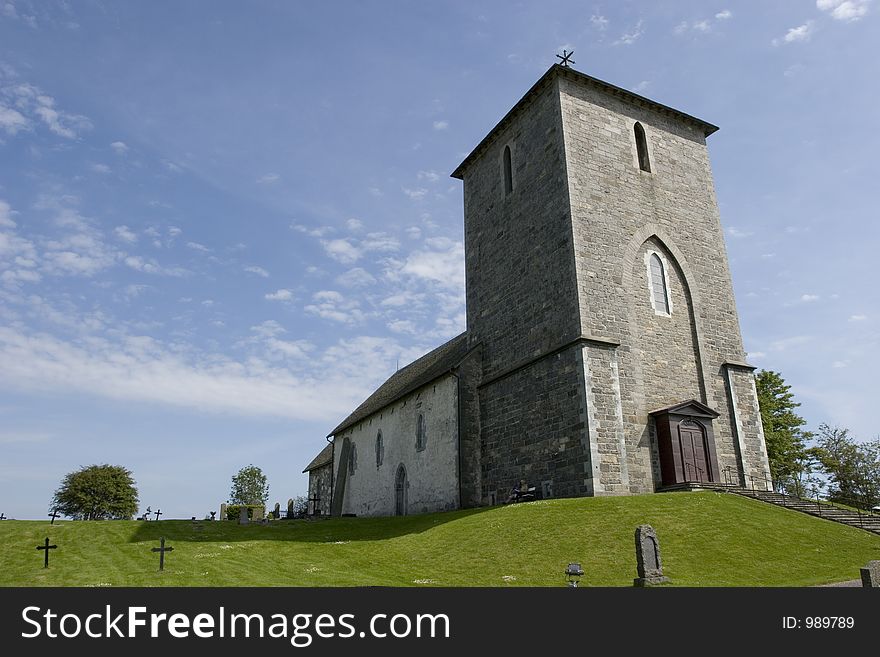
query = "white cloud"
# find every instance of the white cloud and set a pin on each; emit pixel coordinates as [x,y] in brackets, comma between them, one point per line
[441,125]
[357,277]
[342,251]
[443,264]
[795,34]
[430,176]
[259,271]
[839,364]
[100,168]
[124,234]
[723,15]
[268,179]
[195,246]
[280,295]
[703,25]
[415,194]
[402,326]
[6,215]
[755,355]
[807,298]
[331,305]
[844,10]
[599,22]
[629,38]
[733,231]
[150,266]
[354,225]
[320,231]
[12,120]
[381,242]
[414,232]
[642,86]
[119,147]
[857,318]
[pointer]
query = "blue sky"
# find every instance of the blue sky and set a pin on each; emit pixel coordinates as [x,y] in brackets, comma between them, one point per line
[222,224]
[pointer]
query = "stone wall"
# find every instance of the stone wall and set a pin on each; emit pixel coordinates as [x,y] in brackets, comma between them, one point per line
[320,481]
[533,428]
[521,294]
[432,473]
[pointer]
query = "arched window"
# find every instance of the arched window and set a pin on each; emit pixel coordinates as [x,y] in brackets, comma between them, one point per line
[642,147]
[421,437]
[508,172]
[352,459]
[380,449]
[659,287]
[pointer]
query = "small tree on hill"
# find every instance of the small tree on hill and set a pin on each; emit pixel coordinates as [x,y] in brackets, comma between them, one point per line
[853,468]
[249,486]
[97,492]
[783,434]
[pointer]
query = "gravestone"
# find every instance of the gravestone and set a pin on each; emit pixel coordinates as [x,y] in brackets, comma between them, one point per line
[243,516]
[46,547]
[162,550]
[290,509]
[871,575]
[222,512]
[258,513]
[214,513]
[277,511]
[648,564]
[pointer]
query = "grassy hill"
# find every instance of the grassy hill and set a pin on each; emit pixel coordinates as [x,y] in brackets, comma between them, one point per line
[707,539]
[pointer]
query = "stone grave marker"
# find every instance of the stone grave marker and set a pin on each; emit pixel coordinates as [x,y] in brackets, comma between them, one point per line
[258,514]
[290,509]
[243,516]
[222,512]
[277,512]
[648,564]
[871,575]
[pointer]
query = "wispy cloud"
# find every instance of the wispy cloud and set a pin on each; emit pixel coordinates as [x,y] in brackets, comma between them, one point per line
[119,147]
[796,34]
[441,125]
[599,22]
[259,271]
[123,233]
[733,231]
[268,179]
[280,295]
[857,318]
[630,37]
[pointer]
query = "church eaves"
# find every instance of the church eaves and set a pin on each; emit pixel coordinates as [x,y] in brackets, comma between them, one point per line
[583,78]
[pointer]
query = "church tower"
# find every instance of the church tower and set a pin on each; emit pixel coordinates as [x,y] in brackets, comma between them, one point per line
[599,298]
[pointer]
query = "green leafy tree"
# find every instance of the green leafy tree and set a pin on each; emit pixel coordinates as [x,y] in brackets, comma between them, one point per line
[97,492]
[853,468]
[249,486]
[783,433]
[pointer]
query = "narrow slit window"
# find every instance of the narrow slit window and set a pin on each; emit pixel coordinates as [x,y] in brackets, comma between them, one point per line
[658,285]
[642,148]
[380,449]
[352,460]
[508,172]
[421,438]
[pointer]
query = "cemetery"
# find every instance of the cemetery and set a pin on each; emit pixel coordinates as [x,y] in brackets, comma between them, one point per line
[705,538]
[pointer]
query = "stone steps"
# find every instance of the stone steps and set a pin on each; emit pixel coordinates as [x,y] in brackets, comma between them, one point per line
[868,522]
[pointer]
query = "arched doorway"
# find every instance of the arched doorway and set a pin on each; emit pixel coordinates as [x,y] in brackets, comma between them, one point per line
[400,486]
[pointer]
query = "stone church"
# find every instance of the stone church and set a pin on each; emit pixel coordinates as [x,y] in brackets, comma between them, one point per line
[602,354]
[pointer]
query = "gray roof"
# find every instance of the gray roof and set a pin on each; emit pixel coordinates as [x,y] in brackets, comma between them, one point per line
[412,377]
[555,70]
[324,457]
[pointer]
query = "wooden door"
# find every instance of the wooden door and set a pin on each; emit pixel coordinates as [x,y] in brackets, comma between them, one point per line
[694,451]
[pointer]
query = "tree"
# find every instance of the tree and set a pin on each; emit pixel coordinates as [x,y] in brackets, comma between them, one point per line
[853,468]
[783,435]
[249,486]
[97,492]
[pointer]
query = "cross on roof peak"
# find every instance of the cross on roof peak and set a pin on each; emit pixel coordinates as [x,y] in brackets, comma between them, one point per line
[567,61]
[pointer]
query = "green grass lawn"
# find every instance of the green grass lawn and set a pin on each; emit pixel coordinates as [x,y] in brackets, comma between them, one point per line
[707,539]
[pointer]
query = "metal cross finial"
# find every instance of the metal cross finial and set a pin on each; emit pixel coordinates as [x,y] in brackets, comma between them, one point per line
[566,58]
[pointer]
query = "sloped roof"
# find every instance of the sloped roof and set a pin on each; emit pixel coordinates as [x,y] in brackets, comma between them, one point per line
[688,407]
[324,457]
[413,376]
[583,78]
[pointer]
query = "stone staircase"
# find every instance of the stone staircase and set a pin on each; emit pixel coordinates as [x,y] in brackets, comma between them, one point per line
[861,520]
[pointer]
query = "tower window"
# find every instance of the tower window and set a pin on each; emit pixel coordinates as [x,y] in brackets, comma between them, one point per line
[421,437]
[659,286]
[642,147]
[380,449]
[508,171]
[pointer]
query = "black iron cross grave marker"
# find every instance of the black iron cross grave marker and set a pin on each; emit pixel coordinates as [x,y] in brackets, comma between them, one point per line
[53,515]
[2,516]
[158,513]
[46,547]
[162,550]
